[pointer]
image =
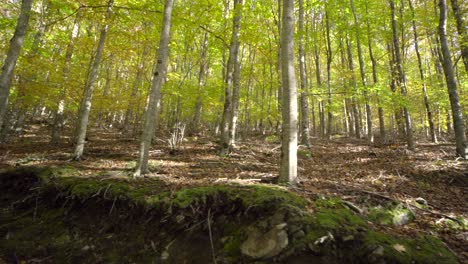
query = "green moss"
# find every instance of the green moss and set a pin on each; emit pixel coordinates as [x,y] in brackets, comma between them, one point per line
[304,153]
[53,172]
[272,139]
[399,250]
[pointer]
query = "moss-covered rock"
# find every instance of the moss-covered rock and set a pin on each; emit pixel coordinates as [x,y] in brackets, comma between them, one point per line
[392,214]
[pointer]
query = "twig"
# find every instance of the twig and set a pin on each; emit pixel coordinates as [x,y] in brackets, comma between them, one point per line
[353,207]
[108,186]
[113,204]
[438,214]
[211,236]
[35,209]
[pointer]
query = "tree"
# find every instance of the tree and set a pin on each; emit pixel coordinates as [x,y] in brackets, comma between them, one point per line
[305,121]
[288,170]
[400,76]
[85,107]
[8,68]
[231,97]
[149,120]
[447,65]
[462,32]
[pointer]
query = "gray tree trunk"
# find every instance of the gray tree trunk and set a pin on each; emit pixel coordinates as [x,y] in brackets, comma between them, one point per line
[423,78]
[401,79]
[354,103]
[160,70]
[305,120]
[329,88]
[362,70]
[288,170]
[85,107]
[136,87]
[60,107]
[447,65]
[16,43]
[462,32]
[230,83]
[201,83]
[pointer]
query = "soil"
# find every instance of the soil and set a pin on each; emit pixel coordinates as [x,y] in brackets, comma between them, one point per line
[350,169]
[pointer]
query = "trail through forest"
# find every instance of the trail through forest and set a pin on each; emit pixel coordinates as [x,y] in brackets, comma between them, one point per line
[364,176]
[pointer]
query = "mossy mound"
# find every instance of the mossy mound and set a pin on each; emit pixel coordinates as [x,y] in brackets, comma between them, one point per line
[54,215]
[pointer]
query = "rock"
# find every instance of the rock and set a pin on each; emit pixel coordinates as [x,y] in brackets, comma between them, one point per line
[261,245]
[299,234]
[402,217]
[421,201]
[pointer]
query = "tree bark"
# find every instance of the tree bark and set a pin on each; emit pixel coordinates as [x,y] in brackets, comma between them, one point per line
[401,79]
[451,84]
[160,70]
[60,107]
[201,83]
[85,107]
[288,170]
[230,83]
[462,32]
[422,77]
[305,120]
[362,70]
[329,88]
[16,43]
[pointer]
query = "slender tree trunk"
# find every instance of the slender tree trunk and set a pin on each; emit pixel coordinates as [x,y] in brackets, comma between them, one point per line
[462,32]
[375,79]
[288,170]
[354,103]
[430,118]
[160,70]
[230,83]
[329,88]
[201,83]
[401,79]
[16,43]
[447,65]
[57,128]
[362,70]
[85,107]
[305,121]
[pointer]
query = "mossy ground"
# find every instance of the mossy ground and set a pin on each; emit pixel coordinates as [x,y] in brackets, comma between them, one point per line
[113,220]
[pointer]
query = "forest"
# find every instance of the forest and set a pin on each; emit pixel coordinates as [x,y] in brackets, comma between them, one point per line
[233,131]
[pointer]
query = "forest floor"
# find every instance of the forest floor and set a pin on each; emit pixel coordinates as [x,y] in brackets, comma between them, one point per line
[342,167]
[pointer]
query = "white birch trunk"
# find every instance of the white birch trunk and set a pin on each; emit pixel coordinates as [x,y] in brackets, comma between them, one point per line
[288,171]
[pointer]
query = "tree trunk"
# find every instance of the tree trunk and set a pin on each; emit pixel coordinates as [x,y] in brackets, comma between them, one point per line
[60,107]
[451,84]
[201,83]
[401,79]
[362,70]
[305,121]
[329,61]
[423,79]
[288,170]
[230,83]
[152,105]
[16,43]
[462,32]
[85,107]
[354,103]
